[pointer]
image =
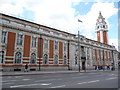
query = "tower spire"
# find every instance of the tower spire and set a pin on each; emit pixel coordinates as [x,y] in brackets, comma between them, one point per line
[100,15]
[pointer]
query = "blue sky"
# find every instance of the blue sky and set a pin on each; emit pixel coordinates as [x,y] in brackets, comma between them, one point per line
[63,15]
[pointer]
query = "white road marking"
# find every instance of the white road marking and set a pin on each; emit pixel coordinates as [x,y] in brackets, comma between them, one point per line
[47,80]
[18,76]
[26,79]
[80,77]
[15,80]
[46,84]
[111,74]
[58,86]
[82,83]
[6,83]
[30,85]
[9,81]
[111,78]
[93,73]
[93,81]
[89,82]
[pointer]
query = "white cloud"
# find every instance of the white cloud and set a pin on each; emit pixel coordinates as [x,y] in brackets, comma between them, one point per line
[114,42]
[60,13]
[89,20]
[11,9]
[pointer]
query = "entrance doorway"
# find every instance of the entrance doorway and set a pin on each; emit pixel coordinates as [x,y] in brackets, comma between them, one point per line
[83,66]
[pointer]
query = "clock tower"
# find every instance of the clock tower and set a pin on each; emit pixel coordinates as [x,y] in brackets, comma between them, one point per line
[101,29]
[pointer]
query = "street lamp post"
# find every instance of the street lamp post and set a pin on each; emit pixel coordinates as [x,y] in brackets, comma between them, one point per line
[113,65]
[68,55]
[40,50]
[103,61]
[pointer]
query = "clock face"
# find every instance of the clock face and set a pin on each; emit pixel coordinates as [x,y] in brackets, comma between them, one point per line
[100,20]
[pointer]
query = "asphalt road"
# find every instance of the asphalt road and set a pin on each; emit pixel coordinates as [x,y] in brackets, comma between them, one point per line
[71,80]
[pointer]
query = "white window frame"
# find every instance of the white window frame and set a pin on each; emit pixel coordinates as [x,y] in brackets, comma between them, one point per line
[56,45]
[19,39]
[65,60]
[18,59]
[56,60]
[33,58]
[34,41]
[45,59]
[2,55]
[46,44]
[3,39]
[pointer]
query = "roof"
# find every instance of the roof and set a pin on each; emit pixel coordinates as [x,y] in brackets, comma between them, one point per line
[37,24]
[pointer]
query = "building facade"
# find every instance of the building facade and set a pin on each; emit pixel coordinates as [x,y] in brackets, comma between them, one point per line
[45,48]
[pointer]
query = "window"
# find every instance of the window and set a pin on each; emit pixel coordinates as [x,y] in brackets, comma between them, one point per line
[19,39]
[103,26]
[81,39]
[98,27]
[56,59]
[65,46]
[2,56]
[65,60]
[75,59]
[56,45]
[3,36]
[45,59]
[18,56]
[33,58]
[46,44]
[34,43]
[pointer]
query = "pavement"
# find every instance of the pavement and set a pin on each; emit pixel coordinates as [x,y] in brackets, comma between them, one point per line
[20,73]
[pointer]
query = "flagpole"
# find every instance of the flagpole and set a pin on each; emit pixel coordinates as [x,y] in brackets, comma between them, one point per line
[79,50]
[79,47]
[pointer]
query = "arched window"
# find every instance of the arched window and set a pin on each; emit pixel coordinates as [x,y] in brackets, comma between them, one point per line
[18,56]
[98,27]
[56,59]
[2,56]
[76,59]
[45,59]
[81,39]
[65,60]
[33,58]
[103,26]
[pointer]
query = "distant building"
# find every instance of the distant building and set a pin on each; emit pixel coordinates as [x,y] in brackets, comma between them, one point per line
[45,48]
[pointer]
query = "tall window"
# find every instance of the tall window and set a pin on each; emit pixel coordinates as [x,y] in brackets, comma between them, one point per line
[65,46]
[2,56]
[3,40]
[19,39]
[76,59]
[56,45]
[65,60]
[18,57]
[46,44]
[45,59]
[56,59]
[33,58]
[34,41]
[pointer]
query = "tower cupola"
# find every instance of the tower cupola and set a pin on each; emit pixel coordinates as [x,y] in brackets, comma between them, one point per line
[101,29]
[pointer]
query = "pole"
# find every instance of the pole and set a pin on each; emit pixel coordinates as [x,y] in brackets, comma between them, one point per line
[103,61]
[40,50]
[79,51]
[113,65]
[68,55]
